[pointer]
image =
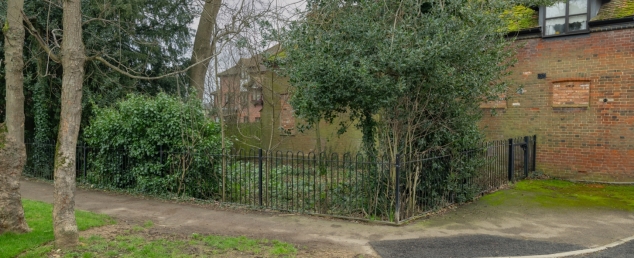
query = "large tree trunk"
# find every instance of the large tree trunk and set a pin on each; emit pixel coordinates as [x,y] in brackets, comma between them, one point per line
[203,48]
[73,60]
[12,149]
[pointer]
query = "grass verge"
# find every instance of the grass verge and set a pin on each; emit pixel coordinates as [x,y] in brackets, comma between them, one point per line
[129,241]
[143,241]
[39,216]
[558,193]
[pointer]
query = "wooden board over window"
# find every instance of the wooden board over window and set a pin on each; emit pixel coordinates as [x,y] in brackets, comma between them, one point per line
[287,118]
[571,92]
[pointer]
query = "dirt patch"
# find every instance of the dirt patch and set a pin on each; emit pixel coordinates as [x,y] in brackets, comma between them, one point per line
[109,231]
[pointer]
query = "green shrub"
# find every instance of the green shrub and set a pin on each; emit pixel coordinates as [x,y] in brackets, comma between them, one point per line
[155,145]
[520,17]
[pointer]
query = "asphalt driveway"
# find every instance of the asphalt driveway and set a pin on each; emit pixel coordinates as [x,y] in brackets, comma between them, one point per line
[469,246]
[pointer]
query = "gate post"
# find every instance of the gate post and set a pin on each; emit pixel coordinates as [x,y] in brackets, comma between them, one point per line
[534,152]
[84,165]
[526,151]
[397,190]
[511,160]
[260,175]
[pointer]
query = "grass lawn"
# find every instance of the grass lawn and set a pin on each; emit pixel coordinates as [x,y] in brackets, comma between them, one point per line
[557,193]
[141,243]
[39,216]
[129,241]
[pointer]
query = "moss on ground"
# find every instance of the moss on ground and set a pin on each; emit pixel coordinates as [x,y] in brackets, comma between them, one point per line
[564,194]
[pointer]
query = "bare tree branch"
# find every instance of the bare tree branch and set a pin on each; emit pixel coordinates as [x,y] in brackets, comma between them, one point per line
[39,39]
[121,71]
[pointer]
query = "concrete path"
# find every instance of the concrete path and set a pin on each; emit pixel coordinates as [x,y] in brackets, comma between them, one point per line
[582,228]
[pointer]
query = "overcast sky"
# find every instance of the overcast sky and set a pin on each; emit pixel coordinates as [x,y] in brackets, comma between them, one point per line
[229,55]
[278,4]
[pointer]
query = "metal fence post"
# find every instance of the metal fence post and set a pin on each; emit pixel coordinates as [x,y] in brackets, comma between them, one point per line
[534,152]
[526,151]
[84,168]
[397,190]
[511,160]
[260,174]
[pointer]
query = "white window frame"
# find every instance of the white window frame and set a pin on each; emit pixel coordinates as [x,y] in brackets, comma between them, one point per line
[566,16]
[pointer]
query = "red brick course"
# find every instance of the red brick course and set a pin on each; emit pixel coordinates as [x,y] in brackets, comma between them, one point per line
[582,112]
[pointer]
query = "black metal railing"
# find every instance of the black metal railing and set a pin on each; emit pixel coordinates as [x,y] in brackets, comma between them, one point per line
[390,189]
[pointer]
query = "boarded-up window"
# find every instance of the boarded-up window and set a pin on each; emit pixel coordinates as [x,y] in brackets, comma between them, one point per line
[287,118]
[571,93]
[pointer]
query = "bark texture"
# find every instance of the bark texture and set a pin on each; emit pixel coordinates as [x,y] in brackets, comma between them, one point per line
[203,46]
[12,149]
[73,60]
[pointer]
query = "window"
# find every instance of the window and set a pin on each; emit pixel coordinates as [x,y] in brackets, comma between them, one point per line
[244,77]
[256,95]
[230,100]
[243,98]
[566,17]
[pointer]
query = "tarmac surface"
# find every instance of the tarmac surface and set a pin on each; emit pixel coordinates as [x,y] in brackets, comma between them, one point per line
[472,230]
[468,246]
[622,251]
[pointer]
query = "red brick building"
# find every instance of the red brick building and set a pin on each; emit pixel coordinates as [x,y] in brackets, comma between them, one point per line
[574,89]
[239,96]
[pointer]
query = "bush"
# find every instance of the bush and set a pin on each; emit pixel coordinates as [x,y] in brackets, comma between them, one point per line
[155,145]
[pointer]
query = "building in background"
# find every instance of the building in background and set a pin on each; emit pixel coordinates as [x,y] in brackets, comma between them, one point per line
[255,105]
[239,97]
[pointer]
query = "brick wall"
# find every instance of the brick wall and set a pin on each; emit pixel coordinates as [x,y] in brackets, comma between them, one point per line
[582,111]
[237,101]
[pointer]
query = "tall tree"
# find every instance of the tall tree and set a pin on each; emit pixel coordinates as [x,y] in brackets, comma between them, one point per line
[419,67]
[12,149]
[143,37]
[73,58]
[204,46]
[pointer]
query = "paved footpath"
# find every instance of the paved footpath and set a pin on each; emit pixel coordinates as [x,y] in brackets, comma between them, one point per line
[465,232]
